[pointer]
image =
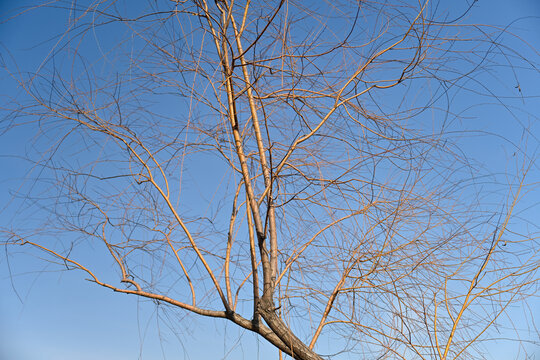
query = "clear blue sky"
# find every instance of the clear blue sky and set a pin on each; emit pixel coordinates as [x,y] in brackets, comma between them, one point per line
[45,314]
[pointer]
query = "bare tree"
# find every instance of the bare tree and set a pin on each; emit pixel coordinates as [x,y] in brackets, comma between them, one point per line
[296,168]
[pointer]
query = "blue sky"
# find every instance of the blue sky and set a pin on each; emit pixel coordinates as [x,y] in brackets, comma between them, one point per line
[46,314]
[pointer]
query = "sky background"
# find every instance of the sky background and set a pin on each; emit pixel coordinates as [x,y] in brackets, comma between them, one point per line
[46,314]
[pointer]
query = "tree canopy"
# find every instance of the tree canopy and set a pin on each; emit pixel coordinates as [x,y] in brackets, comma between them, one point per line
[355,170]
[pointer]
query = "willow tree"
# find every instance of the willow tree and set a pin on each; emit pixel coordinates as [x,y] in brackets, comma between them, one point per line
[301,170]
